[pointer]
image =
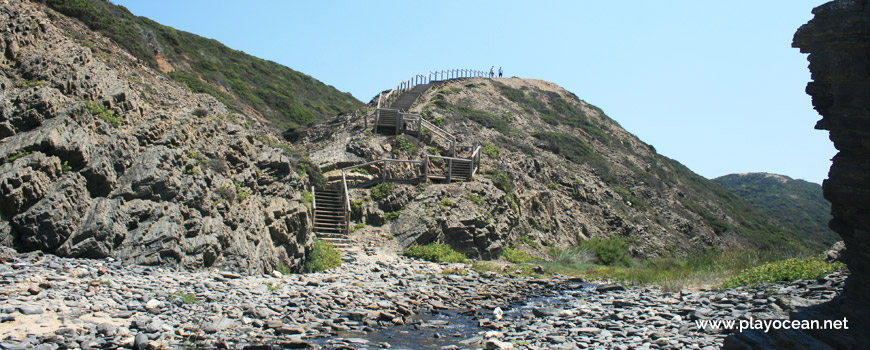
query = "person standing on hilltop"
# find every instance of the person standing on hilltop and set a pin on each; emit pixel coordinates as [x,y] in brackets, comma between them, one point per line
[492,72]
[499,71]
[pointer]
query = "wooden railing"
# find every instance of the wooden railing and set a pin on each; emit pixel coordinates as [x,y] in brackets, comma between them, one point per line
[385,99]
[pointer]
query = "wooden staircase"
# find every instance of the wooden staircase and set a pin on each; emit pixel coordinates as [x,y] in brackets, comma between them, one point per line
[330,219]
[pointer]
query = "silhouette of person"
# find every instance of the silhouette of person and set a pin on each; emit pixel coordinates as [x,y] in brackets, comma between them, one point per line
[499,72]
[491,72]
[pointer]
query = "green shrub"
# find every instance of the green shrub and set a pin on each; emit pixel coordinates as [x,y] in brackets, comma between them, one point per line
[65,167]
[226,192]
[103,113]
[475,198]
[572,148]
[307,198]
[393,215]
[446,203]
[359,225]
[784,270]
[516,256]
[571,256]
[553,186]
[501,181]
[356,207]
[610,251]
[490,150]
[383,190]
[434,252]
[323,257]
[529,241]
[404,145]
[242,192]
[439,121]
[283,268]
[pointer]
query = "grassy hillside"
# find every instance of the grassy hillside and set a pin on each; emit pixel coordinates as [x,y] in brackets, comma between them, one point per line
[656,204]
[797,205]
[283,96]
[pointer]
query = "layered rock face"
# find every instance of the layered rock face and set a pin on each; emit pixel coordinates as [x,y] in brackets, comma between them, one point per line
[838,41]
[101,156]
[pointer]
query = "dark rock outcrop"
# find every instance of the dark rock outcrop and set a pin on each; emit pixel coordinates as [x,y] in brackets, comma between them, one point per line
[838,41]
[101,156]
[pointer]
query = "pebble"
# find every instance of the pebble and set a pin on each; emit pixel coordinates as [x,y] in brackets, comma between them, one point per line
[140,307]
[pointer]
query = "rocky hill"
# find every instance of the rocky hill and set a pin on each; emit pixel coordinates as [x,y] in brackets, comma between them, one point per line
[103,156]
[247,84]
[556,170]
[797,205]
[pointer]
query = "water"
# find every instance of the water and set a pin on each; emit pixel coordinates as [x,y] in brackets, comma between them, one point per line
[437,329]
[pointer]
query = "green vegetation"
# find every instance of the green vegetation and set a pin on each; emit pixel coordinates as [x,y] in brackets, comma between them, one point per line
[65,167]
[797,205]
[359,225]
[273,286]
[446,204]
[434,252]
[553,186]
[750,223]
[484,118]
[784,270]
[323,257]
[103,113]
[572,148]
[529,241]
[242,192]
[610,251]
[30,83]
[193,171]
[553,109]
[284,96]
[393,215]
[186,298]
[475,198]
[516,256]
[283,268]
[17,156]
[356,207]
[383,190]
[404,145]
[501,181]
[307,198]
[227,193]
[489,150]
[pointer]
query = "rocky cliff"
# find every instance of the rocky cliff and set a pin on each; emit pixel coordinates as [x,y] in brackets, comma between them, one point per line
[797,205]
[259,88]
[103,156]
[838,41]
[555,170]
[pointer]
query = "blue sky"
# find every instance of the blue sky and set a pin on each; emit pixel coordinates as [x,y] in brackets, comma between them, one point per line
[712,84]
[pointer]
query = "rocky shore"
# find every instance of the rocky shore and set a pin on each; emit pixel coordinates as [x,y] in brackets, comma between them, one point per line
[48,302]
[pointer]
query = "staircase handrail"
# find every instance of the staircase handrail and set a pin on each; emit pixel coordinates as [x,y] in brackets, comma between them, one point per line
[426,78]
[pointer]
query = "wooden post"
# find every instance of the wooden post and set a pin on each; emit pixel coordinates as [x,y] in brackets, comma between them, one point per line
[426,168]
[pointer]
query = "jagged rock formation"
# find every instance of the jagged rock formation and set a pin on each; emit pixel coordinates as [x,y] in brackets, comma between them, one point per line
[838,41]
[556,170]
[102,156]
[797,205]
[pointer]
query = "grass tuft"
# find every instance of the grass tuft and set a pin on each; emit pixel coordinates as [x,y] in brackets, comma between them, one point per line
[435,252]
[323,257]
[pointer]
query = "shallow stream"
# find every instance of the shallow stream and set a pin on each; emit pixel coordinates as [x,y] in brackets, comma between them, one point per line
[459,329]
